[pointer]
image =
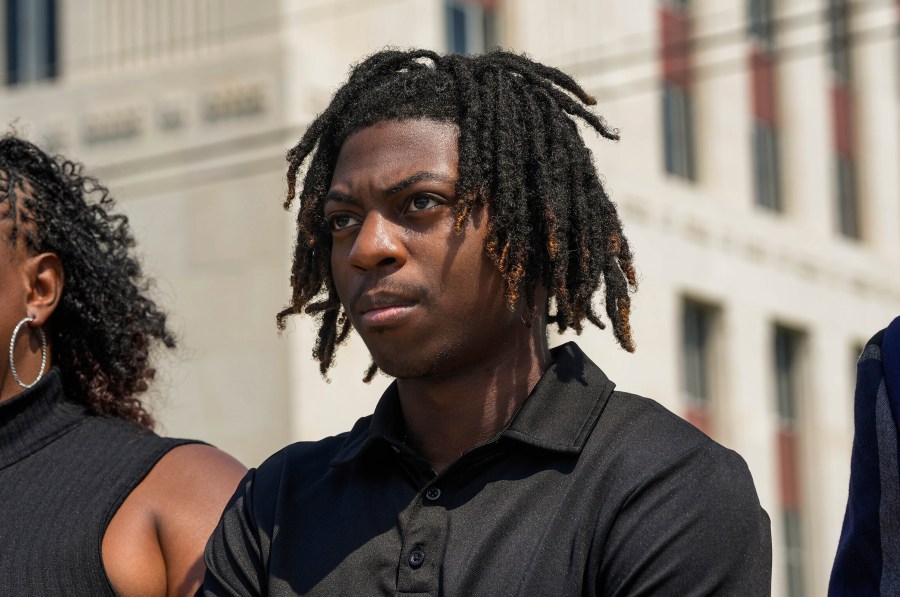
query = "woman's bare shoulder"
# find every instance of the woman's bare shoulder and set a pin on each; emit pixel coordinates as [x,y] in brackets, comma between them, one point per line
[168,519]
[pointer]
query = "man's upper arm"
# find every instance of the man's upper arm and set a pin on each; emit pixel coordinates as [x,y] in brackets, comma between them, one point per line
[694,528]
[234,561]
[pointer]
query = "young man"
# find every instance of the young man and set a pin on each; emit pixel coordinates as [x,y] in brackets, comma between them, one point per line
[450,212]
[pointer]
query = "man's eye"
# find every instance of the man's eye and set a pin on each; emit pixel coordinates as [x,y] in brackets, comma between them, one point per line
[341,221]
[422,202]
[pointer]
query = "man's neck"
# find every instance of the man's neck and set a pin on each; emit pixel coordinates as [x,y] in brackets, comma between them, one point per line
[448,415]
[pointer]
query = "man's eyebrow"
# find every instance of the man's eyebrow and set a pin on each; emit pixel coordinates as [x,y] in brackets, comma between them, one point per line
[417,177]
[340,197]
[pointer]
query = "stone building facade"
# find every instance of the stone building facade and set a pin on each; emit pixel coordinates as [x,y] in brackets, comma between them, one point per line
[757,178]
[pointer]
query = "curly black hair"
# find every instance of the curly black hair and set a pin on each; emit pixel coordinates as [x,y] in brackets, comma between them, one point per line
[105,326]
[520,154]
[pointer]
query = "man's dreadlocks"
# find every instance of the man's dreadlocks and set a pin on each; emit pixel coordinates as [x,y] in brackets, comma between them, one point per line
[105,325]
[520,154]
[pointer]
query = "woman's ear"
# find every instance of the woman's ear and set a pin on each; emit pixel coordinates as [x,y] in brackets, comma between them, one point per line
[45,284]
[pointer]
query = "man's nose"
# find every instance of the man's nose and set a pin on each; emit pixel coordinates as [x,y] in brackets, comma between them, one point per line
[378,243]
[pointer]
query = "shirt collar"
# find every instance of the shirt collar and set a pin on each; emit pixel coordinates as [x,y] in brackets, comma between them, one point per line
[386,423]
[558,415]
[564,405]
[35,417]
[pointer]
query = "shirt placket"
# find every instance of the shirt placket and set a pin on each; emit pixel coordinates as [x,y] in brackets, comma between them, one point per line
[423,528]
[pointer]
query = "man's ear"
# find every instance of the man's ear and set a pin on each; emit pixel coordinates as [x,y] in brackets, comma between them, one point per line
[45,285]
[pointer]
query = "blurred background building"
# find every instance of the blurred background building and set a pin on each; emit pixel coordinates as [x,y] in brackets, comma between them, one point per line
[757,177]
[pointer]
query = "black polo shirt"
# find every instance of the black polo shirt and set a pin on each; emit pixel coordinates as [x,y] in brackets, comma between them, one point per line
[586,491]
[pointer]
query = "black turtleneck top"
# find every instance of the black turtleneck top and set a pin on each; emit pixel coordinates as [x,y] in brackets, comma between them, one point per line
[64,472]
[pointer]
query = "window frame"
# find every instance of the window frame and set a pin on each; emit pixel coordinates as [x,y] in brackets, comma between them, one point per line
[31,45]
[789,354]
[678,131]
[847,197]
[479,24]
[766,167]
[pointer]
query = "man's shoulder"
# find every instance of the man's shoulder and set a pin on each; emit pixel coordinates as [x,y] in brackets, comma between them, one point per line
[308,459]
[677,500]
[644,439]
[645,424]
[625,428]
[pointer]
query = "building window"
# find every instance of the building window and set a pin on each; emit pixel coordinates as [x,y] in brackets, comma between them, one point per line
[698,348]
[31,40]
[846,190]
[471,26]
[848,216]
[788,374]
[678,127]
[839,38]
[767,181]
[766,178]
[793,548]
[762,26]
[677,111]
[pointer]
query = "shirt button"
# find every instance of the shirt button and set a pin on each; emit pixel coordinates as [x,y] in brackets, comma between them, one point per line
[433,494]
[416,557]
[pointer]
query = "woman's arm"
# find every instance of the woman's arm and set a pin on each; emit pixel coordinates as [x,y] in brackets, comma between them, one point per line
[154,543]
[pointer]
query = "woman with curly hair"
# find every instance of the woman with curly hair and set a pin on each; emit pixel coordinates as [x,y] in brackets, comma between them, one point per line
[95,503]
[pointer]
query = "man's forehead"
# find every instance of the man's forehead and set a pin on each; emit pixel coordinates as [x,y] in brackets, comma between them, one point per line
[402,137]
[393,151]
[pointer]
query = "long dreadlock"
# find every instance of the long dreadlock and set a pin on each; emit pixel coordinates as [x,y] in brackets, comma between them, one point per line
[520,153]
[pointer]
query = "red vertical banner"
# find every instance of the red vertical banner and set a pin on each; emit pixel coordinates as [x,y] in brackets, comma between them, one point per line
[699,418]
[675,50]
[762,69]
[842,119]
[788,470]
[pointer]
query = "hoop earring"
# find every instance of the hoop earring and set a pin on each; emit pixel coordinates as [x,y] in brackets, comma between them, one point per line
[12,345]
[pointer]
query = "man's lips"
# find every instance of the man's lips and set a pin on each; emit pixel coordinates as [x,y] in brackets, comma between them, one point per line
[386,315]
[384,308]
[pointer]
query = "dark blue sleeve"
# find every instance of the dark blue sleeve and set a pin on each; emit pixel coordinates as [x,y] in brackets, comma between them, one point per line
[890,356]
[858,564]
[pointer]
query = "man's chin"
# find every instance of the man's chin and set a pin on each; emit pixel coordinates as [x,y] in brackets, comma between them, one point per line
[403,370]
[415,367]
